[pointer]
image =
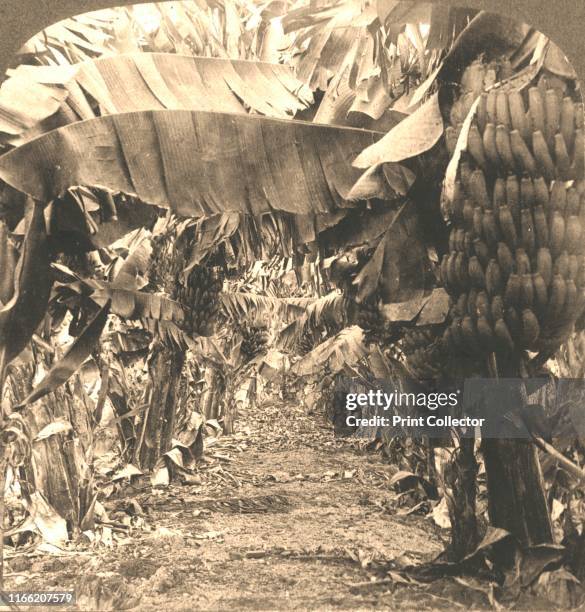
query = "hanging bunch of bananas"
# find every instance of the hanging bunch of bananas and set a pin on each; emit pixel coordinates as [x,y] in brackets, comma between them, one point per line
[254,340]
[201,295]
[478,77]
[377,329]
[515,269]
[370,320]
[423,351]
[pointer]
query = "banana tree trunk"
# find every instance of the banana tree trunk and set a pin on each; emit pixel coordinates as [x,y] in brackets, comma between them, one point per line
[462,507]
[155,426]
[210,399]
[516,494]
[578,564]
[158,424]
[57,468]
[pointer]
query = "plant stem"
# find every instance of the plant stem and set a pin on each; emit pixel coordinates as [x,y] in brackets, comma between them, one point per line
[2,487]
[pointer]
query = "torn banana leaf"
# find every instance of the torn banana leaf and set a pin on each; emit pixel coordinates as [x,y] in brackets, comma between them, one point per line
[196,163]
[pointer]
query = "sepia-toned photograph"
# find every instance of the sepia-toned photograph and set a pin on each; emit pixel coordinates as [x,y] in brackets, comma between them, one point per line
[292,305]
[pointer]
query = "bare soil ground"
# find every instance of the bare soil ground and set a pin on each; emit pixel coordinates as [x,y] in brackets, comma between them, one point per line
[280,516]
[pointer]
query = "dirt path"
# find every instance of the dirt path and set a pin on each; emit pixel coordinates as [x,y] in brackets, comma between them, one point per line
[284,517]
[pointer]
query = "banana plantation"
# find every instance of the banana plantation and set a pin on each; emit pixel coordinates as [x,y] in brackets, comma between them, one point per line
[232,235]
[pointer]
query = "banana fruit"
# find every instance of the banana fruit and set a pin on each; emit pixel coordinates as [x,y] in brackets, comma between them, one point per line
[516,262]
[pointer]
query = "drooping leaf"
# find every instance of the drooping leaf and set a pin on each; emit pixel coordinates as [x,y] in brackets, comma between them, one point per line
[371,99]
[521,80]
[368,106]
[22,314]
[399,264]
[207,350]
[130,304]
[240,306]
[345,348]
[418,133]
[371,184]
[359,229]
[210,232]
[273,365]
[399,178]
[385,182]
[331,309]
[220,163]
[79,222]
[47,521]
[126,302]
[336,34]
[435,309]
[556,61]
[128,471]
[369,276]
[146,81]
[76,354]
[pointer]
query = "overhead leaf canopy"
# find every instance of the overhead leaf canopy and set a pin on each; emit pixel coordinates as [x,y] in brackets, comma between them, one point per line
[40,14]
[337,35]
[196,163]
[146,81]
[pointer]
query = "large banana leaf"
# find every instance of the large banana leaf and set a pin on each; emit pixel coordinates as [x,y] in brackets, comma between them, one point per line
[145,81]
[196,163]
